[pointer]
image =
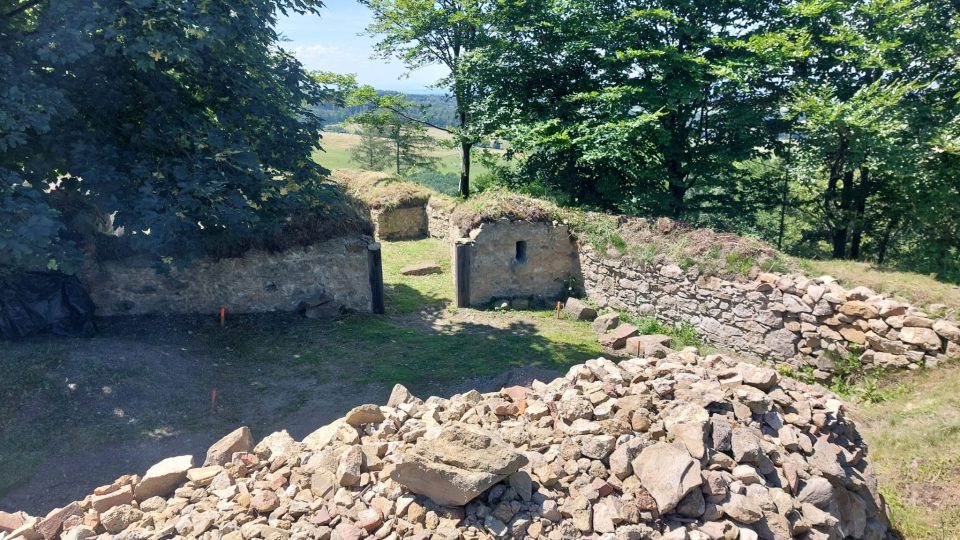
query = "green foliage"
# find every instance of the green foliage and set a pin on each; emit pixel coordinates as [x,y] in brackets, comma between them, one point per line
[372,151]
[804,375]
[598,230]
[431,109]
[638,107]
[445,183]
[423,32]
[852,380]
[682,334]
[809,124]
[738,262]
[391,116]
[185,121]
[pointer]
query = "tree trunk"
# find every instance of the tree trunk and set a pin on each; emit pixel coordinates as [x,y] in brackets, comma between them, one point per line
[677,194]
[678,187]
[465,148]
[833,216]
[856,238]
[885,240]
[783,210]
[839,237]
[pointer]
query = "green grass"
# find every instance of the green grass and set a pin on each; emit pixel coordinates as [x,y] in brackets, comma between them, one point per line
[389,353]
[412,293]
[424,355]
[423,352]
[683,334]
[336,155]
[913,438]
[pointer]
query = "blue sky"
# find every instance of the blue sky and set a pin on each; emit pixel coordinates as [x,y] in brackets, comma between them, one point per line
[330,42]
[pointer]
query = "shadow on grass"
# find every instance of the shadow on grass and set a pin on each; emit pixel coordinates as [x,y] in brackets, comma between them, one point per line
[78,413]
[402,298]
[415,348]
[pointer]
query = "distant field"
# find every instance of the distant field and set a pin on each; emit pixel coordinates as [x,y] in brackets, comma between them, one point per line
[336,155]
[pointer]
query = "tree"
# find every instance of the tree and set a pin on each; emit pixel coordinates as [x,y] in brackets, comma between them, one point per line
[871,81]
[422,32]
[184,118]
[640,106]
[372,151]
[392,117]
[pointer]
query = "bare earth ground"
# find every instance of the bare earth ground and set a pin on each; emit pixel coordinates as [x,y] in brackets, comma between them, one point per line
[75,414]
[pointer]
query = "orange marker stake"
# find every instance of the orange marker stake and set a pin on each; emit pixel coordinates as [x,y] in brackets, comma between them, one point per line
[213,401]
[558,309]
[223,317]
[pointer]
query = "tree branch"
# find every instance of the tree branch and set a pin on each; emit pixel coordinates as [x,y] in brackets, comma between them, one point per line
[401,112]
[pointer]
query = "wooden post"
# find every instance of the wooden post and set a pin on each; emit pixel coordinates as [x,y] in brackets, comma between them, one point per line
[375,271]
[461,261]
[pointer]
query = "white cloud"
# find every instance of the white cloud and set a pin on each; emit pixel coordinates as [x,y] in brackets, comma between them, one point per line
[377,72]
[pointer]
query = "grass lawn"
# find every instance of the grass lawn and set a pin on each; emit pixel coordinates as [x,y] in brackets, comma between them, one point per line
[913,440]
[412,293]
[423,342]
[918,289]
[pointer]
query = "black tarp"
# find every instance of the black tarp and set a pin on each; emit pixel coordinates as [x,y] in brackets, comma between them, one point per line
[41,302]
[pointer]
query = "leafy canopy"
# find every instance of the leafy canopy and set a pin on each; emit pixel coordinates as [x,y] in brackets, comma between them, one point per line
[183,121]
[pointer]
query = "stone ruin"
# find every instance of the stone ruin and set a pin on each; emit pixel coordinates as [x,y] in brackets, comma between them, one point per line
[808,323]
[323,278]
[511,260]
[679,447]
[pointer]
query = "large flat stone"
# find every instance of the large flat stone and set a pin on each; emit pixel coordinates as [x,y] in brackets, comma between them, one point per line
[617,338]
[578,310]
[163,478]
[924,337]
[459,465]
[239,440]
[648,345]
[668,472]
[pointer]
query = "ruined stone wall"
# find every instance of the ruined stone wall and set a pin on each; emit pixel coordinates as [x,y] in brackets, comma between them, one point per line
[404,223]
[256,282]
[775,317]
[438,221]
[549,260]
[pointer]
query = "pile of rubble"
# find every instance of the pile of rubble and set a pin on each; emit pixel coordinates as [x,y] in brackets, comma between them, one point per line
[680,447]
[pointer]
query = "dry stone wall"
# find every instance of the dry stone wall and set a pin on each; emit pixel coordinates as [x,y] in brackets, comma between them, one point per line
[514,259]
[404,223]
[781,318]
[438,220]
[805,322]
[333,273]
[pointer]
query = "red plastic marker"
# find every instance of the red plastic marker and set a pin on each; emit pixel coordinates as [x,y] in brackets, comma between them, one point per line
[213,401]
[223,317]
